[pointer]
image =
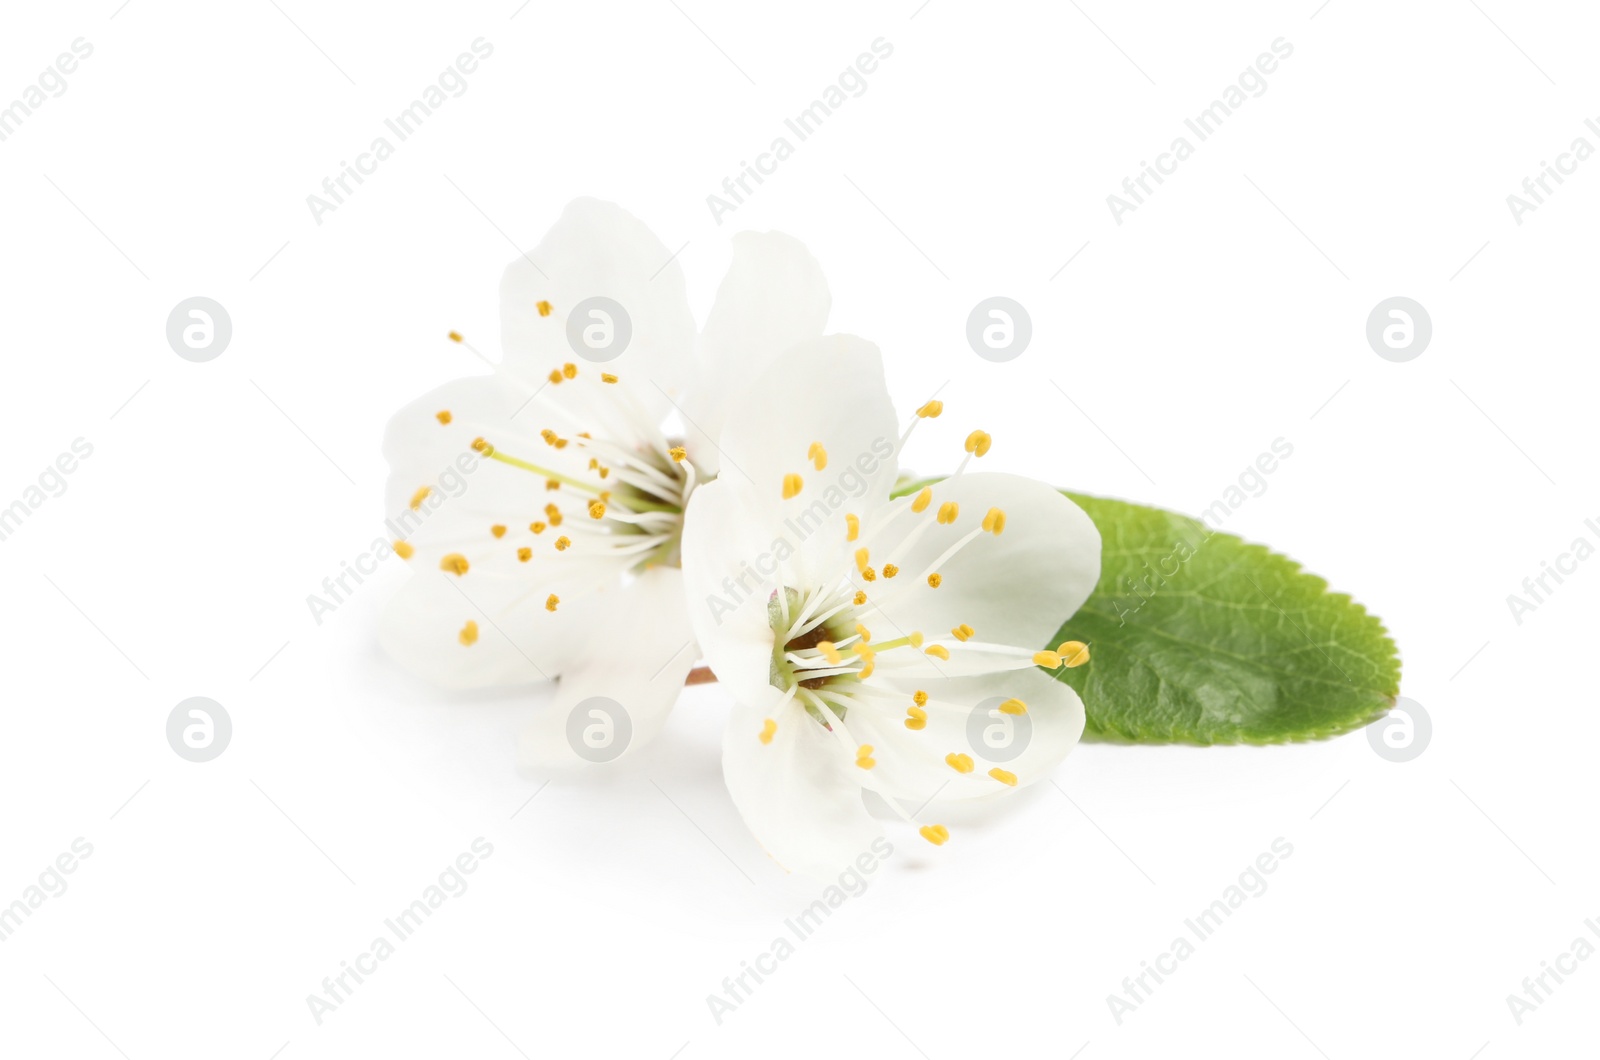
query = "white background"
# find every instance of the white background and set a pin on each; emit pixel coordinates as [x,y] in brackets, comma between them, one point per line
[1226,312]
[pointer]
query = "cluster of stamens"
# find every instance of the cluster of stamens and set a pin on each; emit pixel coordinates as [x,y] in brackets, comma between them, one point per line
[624,499]
[824,650]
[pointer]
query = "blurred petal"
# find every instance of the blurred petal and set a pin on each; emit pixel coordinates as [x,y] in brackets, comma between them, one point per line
[773,299]
[628,659]
[792,791]
[599,250]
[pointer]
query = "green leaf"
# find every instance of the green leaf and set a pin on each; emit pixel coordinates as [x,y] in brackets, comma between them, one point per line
[1199,637]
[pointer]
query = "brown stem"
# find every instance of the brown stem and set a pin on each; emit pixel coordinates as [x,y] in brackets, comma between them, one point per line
[700,675]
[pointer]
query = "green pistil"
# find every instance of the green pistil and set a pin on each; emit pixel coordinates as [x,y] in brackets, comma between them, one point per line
[506,458]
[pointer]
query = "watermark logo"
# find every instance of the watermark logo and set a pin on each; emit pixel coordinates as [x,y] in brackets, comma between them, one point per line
[1538,587]
[850,84]
[599,729]
[996,736]
[1403,733]
[451,883]
[199,729]
[1251,84]
[599,329]
[52,482]
[51,84]
[1537,989]
[1398,329]
[1536,189]
[998,329]
[1250,884]
[199,329]
[852,882]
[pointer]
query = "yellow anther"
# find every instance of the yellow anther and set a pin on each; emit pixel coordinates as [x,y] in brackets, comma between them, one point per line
[678,454]
[551,601]
[948,512]
[1004,776]
[995,521]
[497,530]
[551,511]
[605,472]
[920,698]
[863,632]
[791,485]
[890,570]
[1013,706]
[934,581]
[959,762]
[864,757]
[922,499]
[555,375]
[418,497]
[915,639]
[938,651]
[597,510]
[866,670]
[962,632]
[536,527]
[769,729]
[607,377]
[563,543]
[863,556]
[852,527]
[569,370]
[403,549]
[455,336]
[830,652]
[937,834]
[978,443]
[1073,653]
[594,463]
[916,719]
[869,575]
[1048,659]
[524,553]
[931,409]
[443,416]
[469,634]
[861,597]
[455,563]
[483,447]
[817,455]
[544,308]
[552,483]
[549,436]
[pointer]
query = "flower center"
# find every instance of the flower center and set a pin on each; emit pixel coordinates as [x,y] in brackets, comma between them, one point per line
[822,650]
[622,487]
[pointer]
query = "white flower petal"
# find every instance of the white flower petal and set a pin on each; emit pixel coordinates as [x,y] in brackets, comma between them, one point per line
[422,630]
[773,299]
[829,393]
[793,792]
[597,249]
[445,499]
[962,719]
[1015,588]
[424,452]
[629,654]
[724,546]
